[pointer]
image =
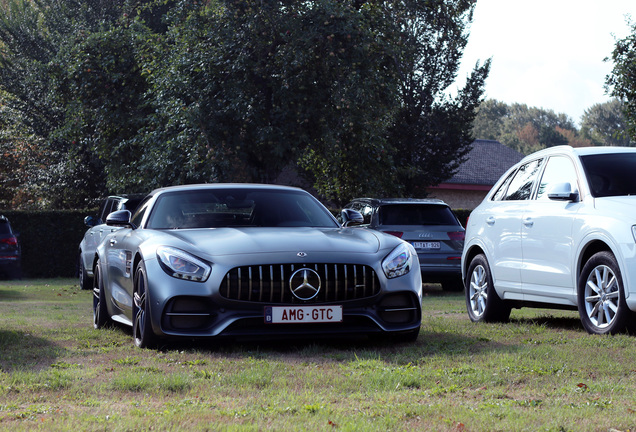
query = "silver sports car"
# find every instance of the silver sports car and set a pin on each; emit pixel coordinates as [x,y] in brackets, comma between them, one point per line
[240,260]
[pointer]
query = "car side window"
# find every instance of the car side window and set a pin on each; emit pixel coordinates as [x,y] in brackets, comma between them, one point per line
[139,214]
[104,210]
[559,169]
[501,192]
[521,185]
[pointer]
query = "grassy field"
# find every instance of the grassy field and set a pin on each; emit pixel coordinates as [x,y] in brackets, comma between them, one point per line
[539,372]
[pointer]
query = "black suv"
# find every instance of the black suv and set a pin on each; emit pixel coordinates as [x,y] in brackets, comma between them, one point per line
[10,253]
[429,225]
[97,229]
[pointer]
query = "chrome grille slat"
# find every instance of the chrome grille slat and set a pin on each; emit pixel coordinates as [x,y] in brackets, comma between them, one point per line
[270,283]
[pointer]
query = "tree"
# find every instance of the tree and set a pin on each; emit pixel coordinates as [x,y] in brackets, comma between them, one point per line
[33,33]
[243,90]
[621,83]
[353,93]
[490,118]
[604,124]
[350,92]
[432,131]
[525,129]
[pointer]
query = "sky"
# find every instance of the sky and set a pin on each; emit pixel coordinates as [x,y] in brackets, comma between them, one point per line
[547,54]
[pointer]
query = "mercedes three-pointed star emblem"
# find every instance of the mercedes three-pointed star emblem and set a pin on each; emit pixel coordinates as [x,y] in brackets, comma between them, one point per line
[305,284]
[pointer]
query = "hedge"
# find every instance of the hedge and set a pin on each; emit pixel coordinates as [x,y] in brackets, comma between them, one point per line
[49,240]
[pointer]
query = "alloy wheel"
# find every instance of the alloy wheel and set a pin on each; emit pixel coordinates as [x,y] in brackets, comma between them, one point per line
[602,296]
[478,290]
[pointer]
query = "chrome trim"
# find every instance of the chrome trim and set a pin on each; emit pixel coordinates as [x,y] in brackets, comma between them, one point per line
[270,283]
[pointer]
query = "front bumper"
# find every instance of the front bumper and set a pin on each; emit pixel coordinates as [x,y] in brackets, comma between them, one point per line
[190,309]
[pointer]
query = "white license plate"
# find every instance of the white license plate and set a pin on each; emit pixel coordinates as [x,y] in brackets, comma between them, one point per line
[426,245]
[302,314]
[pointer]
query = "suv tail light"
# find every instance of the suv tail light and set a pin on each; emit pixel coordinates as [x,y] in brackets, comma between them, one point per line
[395,233]
[457,235]
[11,241]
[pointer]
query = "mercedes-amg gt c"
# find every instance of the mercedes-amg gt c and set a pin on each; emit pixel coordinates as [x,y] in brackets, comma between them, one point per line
[238,260]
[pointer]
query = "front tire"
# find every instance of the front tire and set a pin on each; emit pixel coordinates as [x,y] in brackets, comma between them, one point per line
[100,312]
[482,301]
[142,327]
[601,298]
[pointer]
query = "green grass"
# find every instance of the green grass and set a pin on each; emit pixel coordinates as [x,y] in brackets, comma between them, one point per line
[540,372]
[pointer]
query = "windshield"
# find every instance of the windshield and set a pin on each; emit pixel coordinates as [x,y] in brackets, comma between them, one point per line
[216,208]
[611,174]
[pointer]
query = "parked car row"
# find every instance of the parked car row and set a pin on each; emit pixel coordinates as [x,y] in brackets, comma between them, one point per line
[557,231]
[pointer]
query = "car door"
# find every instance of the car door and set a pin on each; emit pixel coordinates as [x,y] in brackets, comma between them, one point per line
[547,237]
[119,247]
[501,227]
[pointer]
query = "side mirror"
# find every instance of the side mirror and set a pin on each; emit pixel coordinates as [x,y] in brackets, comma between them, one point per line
[119,218]
[90,221]
[351,216]
[563,192]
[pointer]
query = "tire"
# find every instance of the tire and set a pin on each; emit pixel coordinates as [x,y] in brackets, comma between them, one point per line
[84,279]
[143,335]
[601,297]
[101,318]
[482,301]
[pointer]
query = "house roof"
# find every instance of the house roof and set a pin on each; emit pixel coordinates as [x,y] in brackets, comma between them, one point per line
[486,162]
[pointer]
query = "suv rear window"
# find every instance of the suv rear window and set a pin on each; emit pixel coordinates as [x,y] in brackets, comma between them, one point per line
[611,174]
[416,214]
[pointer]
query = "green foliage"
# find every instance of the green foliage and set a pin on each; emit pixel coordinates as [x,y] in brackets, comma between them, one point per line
[34,34]
[605,124]
[249,88]
[621,83]
[525,129]
[128,94]
[432,131]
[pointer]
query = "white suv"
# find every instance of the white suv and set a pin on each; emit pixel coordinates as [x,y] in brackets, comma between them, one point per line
[558,230]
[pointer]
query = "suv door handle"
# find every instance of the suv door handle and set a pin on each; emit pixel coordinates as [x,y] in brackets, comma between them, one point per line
[490,220]
[528,222]
[113,242]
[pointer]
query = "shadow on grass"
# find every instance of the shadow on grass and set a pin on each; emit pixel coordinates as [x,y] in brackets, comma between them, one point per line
[11,295]
[341,347]
[435,290]
[22,351]
[552,322]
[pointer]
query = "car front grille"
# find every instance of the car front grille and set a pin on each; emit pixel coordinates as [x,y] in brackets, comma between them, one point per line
[271,283]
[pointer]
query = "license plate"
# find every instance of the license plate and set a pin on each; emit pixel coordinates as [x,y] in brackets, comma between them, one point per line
[302,314]
[426,245]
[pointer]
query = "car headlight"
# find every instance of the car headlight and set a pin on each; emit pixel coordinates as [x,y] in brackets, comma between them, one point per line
[398,262]
[182,265]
